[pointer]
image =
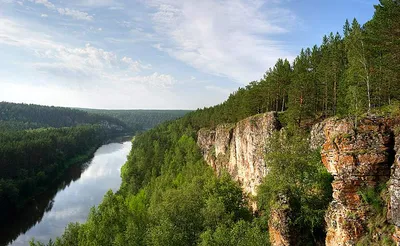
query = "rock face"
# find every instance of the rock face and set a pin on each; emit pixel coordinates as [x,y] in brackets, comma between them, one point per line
[394,189]
[317,135]
[358,158]
[239,148]
[278,224]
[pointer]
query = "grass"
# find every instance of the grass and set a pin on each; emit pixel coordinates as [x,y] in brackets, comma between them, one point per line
[379,229]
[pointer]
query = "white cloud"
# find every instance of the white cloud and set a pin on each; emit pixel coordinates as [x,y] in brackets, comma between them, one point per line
[12,1]
[98,3]
[46,3]
[116,8]
[230,38]
[156,80]
[86,62]
[12,33]
[126,24]
[135,66]
[43,15]
[75,14]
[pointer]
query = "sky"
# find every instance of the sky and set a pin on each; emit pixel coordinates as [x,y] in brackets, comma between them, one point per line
[154,54]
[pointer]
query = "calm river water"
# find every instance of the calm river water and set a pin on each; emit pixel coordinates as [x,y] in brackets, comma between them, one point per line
[81,189]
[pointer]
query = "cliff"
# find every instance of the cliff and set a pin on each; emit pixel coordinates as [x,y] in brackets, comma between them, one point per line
[394,185]
[361,158]
[239,148]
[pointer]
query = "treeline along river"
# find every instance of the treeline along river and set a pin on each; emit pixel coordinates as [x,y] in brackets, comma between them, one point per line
[82,187]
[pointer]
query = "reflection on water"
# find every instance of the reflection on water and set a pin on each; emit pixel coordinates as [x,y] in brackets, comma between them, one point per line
[82,188]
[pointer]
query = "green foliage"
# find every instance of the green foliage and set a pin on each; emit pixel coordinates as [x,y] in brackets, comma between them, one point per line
[32,160]
[392,110]
[347,75]
[168,197]
[242,233]
[296,173]
[380,230]
[38,143]
[372,197]
[143,119]
[15,116]
[355,102]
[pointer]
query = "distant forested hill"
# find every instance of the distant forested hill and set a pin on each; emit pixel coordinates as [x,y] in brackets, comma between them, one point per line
[14,116]
[143,118]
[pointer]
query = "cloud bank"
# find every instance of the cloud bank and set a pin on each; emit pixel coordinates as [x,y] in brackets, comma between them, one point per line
[230,38]
[87,62]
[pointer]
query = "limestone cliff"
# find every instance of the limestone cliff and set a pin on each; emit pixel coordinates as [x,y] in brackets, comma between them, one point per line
[394,186]
[239,148]
[279,225]
[358,158]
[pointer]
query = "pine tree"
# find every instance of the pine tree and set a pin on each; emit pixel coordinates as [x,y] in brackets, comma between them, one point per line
[301,92]
[382,34]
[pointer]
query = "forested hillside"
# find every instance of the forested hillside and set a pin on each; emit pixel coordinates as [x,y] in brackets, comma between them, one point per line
[31,161]
[145,119]
[169,196]
[348,74]
[38,143]
[14,116]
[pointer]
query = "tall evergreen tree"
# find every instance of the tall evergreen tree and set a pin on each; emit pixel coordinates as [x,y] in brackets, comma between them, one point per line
[382,34]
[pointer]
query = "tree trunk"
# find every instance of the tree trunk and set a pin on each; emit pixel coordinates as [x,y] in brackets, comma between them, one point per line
[367,77]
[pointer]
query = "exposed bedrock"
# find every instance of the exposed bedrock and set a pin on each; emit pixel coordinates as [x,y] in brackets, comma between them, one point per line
[239,148]
[358,158]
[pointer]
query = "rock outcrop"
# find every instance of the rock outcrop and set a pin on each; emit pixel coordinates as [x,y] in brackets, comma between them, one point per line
[279,224]
[358,158]
[394,188]
[239,148]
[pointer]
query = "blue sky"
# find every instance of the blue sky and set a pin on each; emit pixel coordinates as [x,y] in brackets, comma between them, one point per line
[164,54]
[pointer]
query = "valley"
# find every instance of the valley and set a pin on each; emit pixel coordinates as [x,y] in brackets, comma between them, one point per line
[304,152]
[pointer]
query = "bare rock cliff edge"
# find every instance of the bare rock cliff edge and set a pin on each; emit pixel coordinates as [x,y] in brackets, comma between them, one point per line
[359,157]
[239,148]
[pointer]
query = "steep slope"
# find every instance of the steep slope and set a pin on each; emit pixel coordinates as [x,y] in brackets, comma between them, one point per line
[360,159]
[394,188]
[239,148]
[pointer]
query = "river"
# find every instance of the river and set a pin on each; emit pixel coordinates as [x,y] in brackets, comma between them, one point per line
[81,188]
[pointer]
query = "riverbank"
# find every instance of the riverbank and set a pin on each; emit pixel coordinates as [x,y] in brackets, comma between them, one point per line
[79,188]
